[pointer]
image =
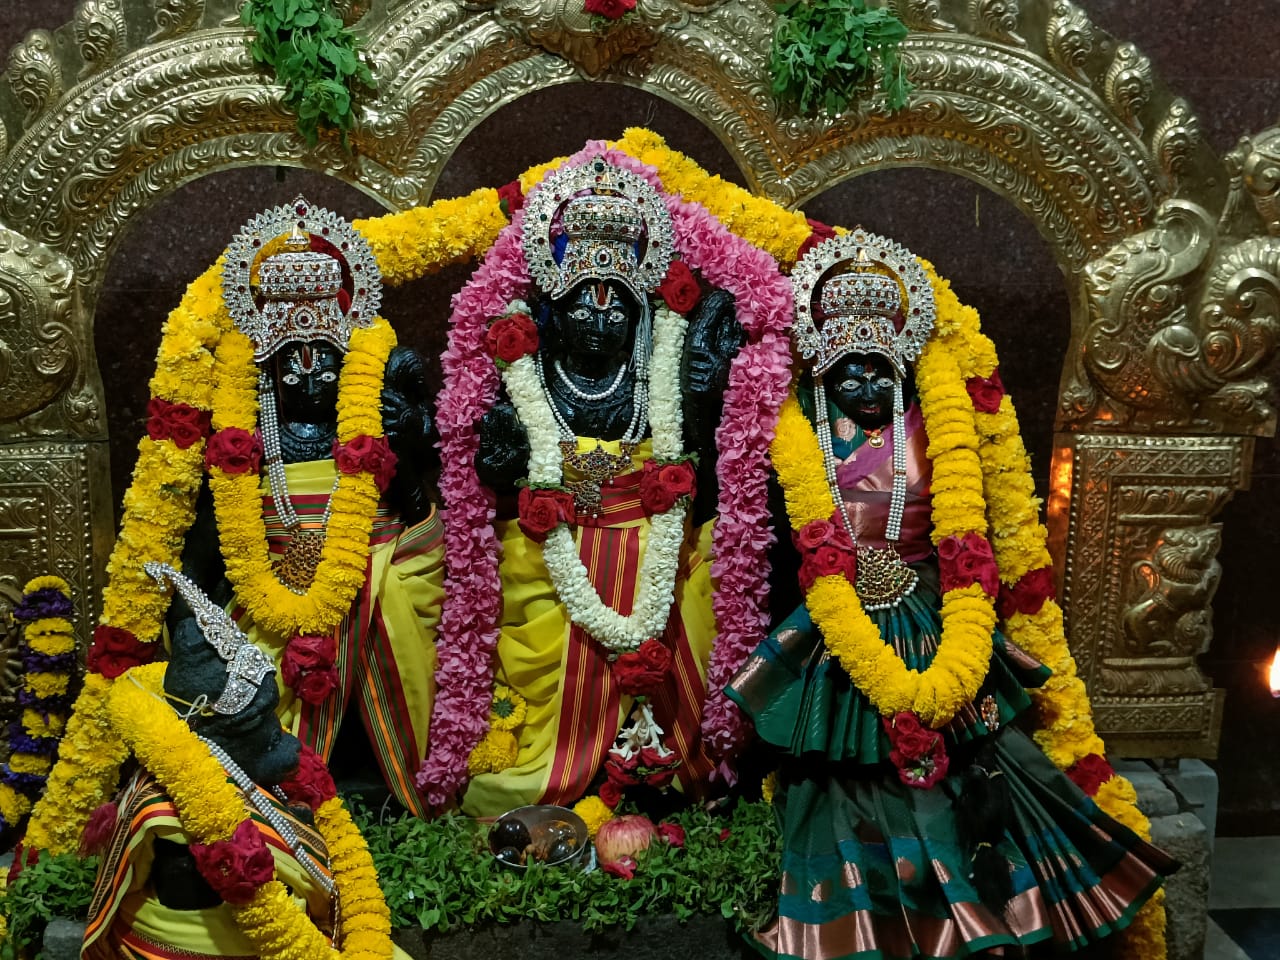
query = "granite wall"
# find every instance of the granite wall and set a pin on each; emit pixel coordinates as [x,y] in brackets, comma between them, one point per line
[1219,56]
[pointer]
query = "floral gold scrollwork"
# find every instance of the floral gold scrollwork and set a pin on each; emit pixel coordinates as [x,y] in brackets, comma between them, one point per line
[1128,84]
[38,353]
[10,637]
[1139,345]
[997,19]
[564,28]
[1069,38]
[1174,141]
[1261,176]
[922,15]
[176,17]
[100,34]
[34,74]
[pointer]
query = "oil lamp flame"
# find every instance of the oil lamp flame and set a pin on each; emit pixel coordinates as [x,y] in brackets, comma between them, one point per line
[1275,674]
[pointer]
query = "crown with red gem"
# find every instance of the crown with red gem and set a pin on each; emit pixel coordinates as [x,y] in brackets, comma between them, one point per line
[849,293]
[615,227]
[299,290]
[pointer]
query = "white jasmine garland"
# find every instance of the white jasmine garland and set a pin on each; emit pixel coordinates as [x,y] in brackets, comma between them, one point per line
[617,633]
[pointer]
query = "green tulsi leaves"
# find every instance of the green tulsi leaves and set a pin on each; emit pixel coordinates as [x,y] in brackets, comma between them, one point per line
[825,52]
[440,875]
[53,886]
[313,56]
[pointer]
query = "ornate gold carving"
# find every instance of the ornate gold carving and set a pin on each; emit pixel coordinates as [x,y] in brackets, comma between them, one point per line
[1128,84]
[1175,140]
[997,19]
[10,665]
[1169,622]
[34,74]
[175,17]
[54,517]
[1260,172]
[1070,38]
[922,15]
[1140,575]
[39,351]
[100,34]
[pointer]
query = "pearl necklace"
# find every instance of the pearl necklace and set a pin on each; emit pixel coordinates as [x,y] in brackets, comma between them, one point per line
[273,816]
[581,394]
[639,405]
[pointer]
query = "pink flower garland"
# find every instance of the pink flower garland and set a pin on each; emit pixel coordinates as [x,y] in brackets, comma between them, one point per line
[758,379]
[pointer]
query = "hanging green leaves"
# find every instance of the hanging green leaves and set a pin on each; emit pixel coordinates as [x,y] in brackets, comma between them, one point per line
[313,56]
[825,53]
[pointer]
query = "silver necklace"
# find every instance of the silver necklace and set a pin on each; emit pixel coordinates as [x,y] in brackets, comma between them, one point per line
[273,816]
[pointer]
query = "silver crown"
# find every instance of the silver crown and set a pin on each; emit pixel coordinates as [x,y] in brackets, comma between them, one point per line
[615,224]
[858,281]
[246,664]
[299,287]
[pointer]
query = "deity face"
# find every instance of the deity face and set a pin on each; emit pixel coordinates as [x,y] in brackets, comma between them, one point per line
[596,320]
[254,738]
[307,381]
[861,386]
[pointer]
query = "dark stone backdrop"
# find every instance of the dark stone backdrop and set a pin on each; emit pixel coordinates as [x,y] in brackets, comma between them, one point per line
[1216,55]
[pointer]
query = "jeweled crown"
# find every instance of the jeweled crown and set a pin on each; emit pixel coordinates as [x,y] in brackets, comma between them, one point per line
[858,281]
[615,227]
[247,666]
[299,288]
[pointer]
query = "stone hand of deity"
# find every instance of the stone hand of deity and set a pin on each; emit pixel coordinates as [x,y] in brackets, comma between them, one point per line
[713,339]
[503,457]
[406,420]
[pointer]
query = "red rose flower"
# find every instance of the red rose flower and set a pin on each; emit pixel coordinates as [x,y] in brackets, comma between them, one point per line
[1090,772]
[660,779]
[909,736]
[610,793]
[920,754]
[673,833]
[115,650]
[233,450]
[312,784]
[236,868]
[511,197]
[640,672]
[366,454]
[624,867]
[316,685]
[23,857]
[661,485]
[541,510]
[827,561]
[966,560]
[1028,594]
[679,288]
[622,772]
[511,337]
[814,534]
[613,9]
[986,392]
[179,422]
[97,832]
[818,232]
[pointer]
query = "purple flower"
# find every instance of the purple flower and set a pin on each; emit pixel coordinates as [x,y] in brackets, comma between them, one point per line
[43,603]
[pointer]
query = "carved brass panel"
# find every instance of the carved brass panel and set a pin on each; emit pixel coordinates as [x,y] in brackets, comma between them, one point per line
[51,494]
[1139,581]
[1172,253]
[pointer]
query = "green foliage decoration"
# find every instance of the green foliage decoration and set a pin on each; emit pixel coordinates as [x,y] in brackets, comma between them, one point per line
[313,56]
[825,52]
[53,886]
[440,875]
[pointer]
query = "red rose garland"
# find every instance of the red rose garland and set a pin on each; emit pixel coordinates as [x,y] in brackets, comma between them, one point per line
[308,667]
[825,551]
[1090,772]
[236,868]
[680,288]
[1028,594]
[662,485]
[919,753]
[511,337]
[312,784]
[234,450]
[115,650]
[965,560]
[366,454]
[986,392]
[180,422]
[611,9]
[541,509]
[641,672]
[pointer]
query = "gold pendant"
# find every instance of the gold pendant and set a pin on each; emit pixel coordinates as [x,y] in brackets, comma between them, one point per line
[297,568]
[597,468]
[875,439]
[883,579]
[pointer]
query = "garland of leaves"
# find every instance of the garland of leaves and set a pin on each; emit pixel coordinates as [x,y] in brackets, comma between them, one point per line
[313,56]
[825,52]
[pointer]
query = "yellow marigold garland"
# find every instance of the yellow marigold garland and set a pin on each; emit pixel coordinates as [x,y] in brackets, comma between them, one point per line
[1065,731]
[159,506]
[210,809]
[238,503]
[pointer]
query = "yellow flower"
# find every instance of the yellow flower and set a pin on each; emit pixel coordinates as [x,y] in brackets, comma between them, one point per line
[769,787]
[45,685]
[494,753]
[594,812]
[48,583]
[508,709]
